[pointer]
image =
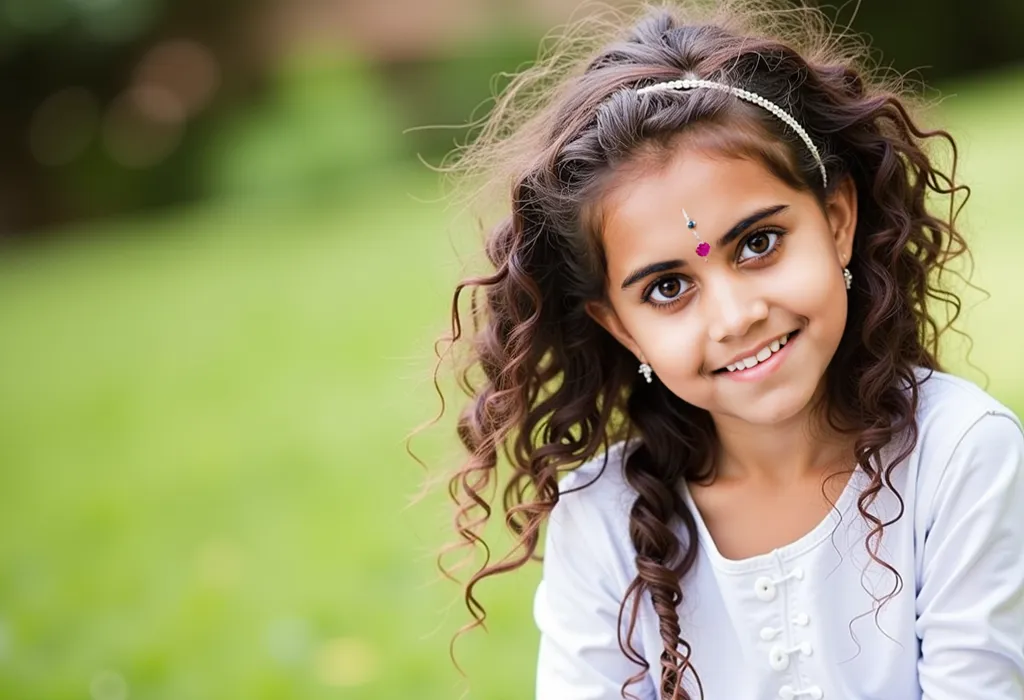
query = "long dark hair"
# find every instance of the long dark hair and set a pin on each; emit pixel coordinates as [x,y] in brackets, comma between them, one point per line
[549,388]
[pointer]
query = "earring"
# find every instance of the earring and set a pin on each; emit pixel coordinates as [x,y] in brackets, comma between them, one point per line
[645,369]
[848,276]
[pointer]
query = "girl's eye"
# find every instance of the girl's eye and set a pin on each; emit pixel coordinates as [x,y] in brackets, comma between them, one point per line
[666,290]
[760,244]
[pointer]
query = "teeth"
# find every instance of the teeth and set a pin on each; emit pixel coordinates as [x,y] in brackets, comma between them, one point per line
[762,355]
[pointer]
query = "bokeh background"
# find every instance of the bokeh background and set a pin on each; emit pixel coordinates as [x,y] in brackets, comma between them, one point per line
[223,263]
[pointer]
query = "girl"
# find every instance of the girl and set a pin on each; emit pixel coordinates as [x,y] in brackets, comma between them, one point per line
[708,355]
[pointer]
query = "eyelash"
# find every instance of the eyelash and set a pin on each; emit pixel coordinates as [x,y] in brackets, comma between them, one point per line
[757,260]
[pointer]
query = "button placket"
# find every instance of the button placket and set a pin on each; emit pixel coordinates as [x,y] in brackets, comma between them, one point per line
[766,589]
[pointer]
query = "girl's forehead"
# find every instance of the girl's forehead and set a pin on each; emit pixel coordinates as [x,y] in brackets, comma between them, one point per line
[713,188]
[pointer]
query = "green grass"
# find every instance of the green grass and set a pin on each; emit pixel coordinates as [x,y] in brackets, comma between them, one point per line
[203,488]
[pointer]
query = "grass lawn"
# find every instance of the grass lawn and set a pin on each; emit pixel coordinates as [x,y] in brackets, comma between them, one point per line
[203,487]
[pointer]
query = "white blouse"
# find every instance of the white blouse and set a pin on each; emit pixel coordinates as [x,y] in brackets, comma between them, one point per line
[802,621]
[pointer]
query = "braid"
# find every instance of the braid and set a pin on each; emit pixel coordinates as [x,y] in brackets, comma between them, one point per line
[655,471]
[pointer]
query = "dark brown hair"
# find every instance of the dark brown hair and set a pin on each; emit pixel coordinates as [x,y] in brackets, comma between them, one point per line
[550,389]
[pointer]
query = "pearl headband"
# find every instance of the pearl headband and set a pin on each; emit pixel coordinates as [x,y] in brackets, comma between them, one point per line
[754,98]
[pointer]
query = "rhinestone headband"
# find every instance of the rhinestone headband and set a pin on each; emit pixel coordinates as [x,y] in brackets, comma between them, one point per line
[754,98]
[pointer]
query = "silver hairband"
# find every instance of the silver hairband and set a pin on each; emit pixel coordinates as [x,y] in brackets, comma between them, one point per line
[754,98]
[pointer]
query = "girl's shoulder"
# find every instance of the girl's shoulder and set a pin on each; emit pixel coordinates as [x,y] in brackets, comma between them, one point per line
[600,482]
[597,498]
[964,435]
[588,529]
[949,406]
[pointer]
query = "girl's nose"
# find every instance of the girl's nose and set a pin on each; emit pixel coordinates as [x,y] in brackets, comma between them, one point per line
[732,309]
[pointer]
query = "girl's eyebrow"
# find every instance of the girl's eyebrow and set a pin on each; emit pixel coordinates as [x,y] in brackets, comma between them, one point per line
[732,234]
[740,226]
[638,274]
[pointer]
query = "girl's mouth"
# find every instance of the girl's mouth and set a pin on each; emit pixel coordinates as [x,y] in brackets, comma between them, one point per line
[762,363]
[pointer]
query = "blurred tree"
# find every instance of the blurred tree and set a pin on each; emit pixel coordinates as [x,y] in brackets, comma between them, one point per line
[97,94]
[940,37]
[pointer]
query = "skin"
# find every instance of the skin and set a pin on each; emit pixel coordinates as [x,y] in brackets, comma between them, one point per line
[776,448]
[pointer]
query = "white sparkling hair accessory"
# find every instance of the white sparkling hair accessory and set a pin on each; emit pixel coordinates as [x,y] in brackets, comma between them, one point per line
[690,83]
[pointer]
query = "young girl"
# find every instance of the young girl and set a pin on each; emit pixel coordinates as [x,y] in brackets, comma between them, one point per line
[707,358]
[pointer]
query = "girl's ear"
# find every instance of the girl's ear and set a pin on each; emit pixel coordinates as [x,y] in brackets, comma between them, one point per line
[841,211]
[605,316]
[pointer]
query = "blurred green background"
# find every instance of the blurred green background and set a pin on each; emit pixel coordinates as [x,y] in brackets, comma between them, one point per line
[222,269]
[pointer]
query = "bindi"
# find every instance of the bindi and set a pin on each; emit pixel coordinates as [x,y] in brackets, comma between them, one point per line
[703,247]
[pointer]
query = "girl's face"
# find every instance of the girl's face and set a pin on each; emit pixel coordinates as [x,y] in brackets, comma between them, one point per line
[774,272]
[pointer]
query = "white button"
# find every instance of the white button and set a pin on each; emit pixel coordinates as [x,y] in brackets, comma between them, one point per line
[802,619]
[770,633]
[764,588]
[798,574]
[786,692]
[778,658]
[805,648]
[815,692]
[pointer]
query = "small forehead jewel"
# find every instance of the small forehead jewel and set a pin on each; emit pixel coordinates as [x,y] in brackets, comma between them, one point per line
[703,247]
[689,84]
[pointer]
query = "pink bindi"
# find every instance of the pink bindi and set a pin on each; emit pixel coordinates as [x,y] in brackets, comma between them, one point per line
[703,247]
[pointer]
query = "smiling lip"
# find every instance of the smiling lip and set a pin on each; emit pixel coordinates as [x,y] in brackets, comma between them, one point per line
[750,353]
[762,369]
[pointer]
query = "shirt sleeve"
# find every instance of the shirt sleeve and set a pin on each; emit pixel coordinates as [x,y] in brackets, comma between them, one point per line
[970,603]
[576,608]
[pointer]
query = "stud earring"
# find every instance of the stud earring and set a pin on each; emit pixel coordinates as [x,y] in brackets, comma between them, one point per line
[703,247]
[645,369]
[848,276]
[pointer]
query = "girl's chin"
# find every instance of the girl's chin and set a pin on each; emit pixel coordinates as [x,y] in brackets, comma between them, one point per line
[772,409]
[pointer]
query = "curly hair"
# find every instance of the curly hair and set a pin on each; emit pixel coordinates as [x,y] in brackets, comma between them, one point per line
[550,389]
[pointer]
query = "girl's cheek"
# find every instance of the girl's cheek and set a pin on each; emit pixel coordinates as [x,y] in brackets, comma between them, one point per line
[809,279]
[675,345]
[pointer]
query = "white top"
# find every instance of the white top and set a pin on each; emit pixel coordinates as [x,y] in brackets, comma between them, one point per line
[799,622]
